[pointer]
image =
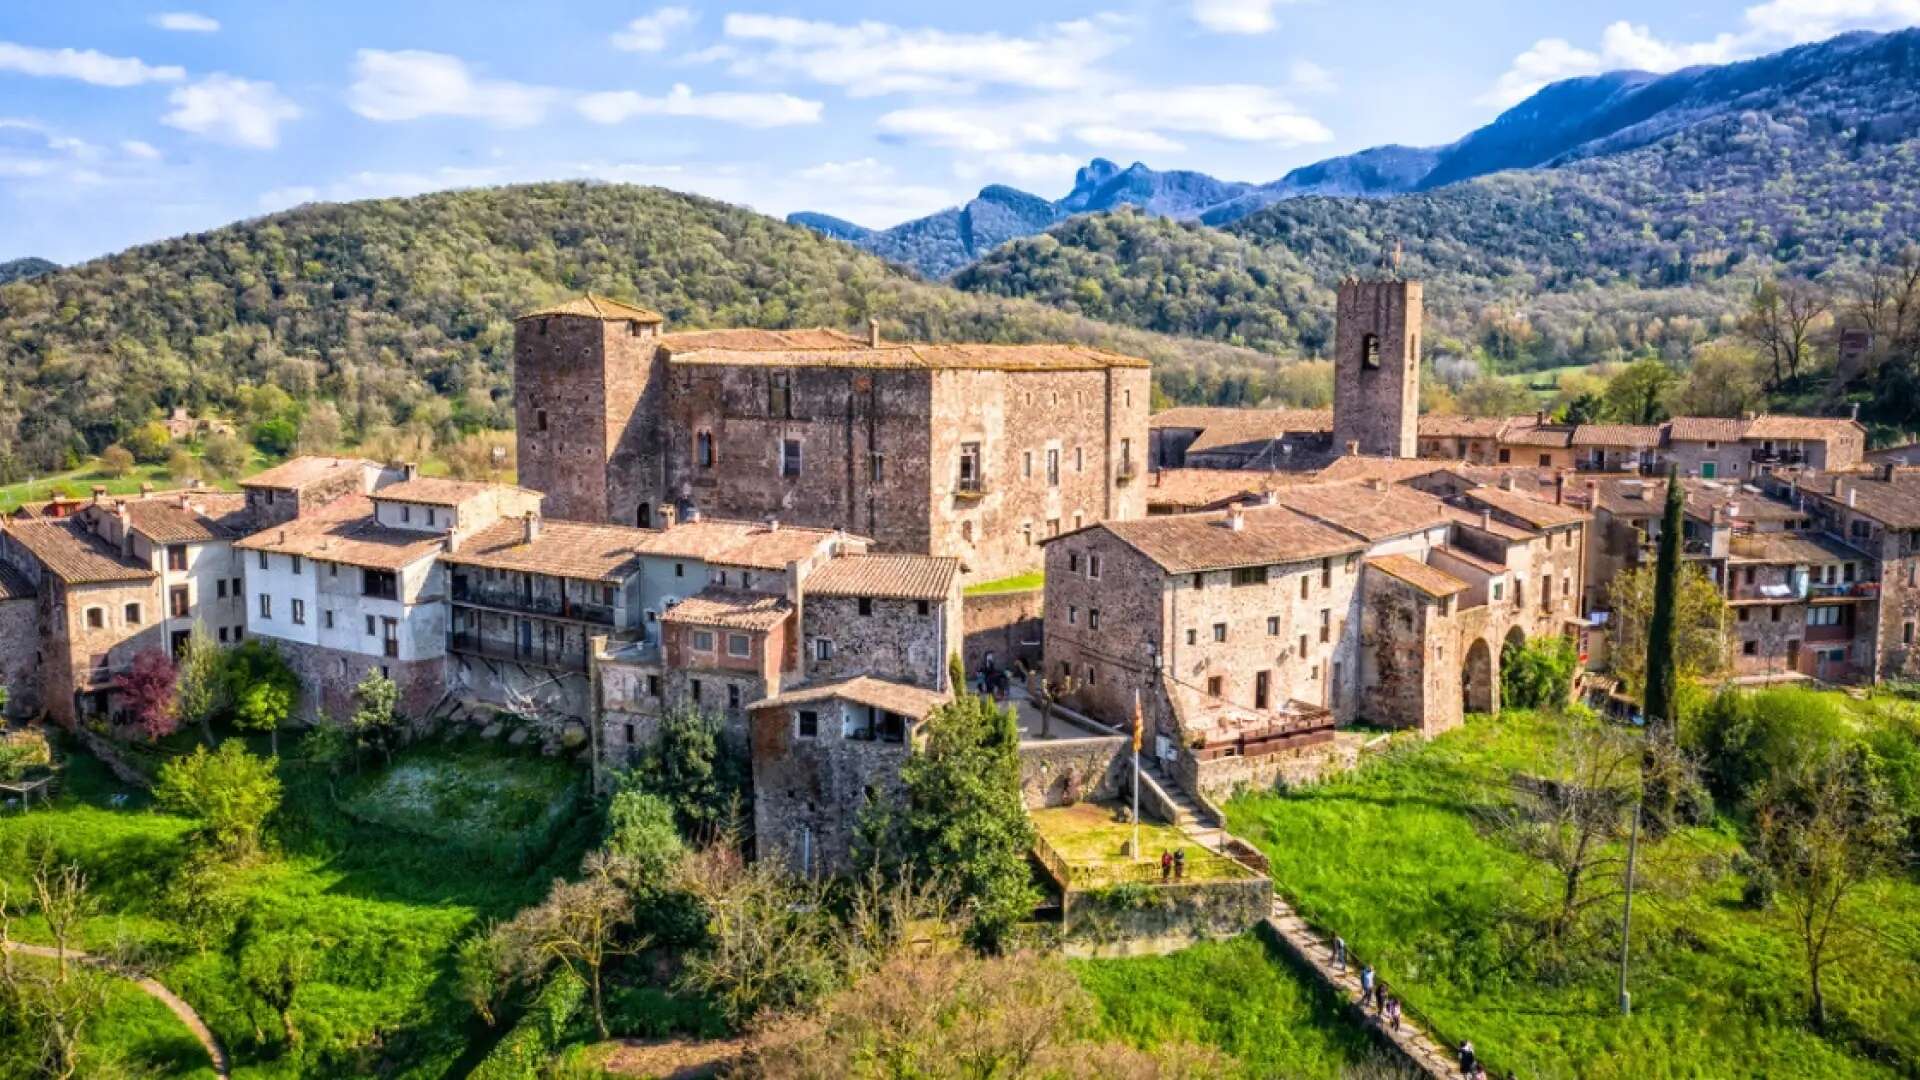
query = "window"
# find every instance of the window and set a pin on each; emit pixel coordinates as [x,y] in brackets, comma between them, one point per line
[406,513]
[877,467]
[1199,582]
[1079,460]
[1326,625]
[96,618]
[733,696]
[1073,562]
[380,584]
[263,560]
[1370,351]
[1823,616]
[237,591]
[432,516]
[1250,575]
[540,415]
[1303,645]
[1093,567]
[1498,588]
[703,449]
[1093,618]
[780,394]
[1053,467]
[1775,612]
[1026,532]
[1219,631]
[178,601]
[1273,626]
[922,607]
[970,479]
[326,619]
[1126,457]
[1215,684]
[866,605]
[1326,573]
[739,645]
[1906,633]
[1546,460]
[266,606]
[1506,456]
[653,686]
[220,589]
[1750,648]
[298,564]
[703,641]
[1026,464]
[1744,614]
[176,556]
[1053,526]
[693,689]
[299,612]
[809,724]
[1193,636]
[1260,689]
[790,457]
[373,626]
[822,649]
[1073,615]
[1306,582]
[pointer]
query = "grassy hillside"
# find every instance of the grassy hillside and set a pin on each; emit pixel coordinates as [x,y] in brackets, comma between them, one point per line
[401,309]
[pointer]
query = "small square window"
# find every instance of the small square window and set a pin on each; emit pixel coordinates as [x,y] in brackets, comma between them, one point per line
[733,696]
[96,618]
[739,645]
[1219,631]
[703,641]
[866,605]
[809,724]
[1273,626]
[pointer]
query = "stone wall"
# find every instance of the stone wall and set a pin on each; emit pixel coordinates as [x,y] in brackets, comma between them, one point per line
[20,656]
[808,792]
[1008,625]
[328,676]
[1220,779]
[590,379]
[1161,918]
[82,659]
[1062,772]
[895,640]
[1376,380]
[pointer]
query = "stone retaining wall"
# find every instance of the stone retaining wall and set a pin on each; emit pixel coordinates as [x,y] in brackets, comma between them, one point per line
[1005,624]
[1062,772]
[1154,919]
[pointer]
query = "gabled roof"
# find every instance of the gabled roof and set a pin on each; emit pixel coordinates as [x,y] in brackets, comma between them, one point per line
[1242,427]
[1636,436]
[1461,427]
[302,472]
[1768,426]
[346,531]
[439,491]
[1488,524]
[752,544]
[1186,543]
[893,577]
[1484,565]
[913,701]
[747,339]
[1895,504]
[71,552]
[1194,489]
[1427,579]
[590,306]
[208,517]
[730,609]
[1393,470]
[1530,433]
[1535,512]
[1373,510]
[1705,429]
[571,549]
[1785,548]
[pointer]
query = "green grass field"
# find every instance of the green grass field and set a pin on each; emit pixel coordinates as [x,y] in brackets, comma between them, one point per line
[359,920]
[1027,582]
[1241,996]
[1398,859]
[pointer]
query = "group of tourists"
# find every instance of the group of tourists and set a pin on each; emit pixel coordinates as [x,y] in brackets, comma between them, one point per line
[1386,1007]
[1173,867]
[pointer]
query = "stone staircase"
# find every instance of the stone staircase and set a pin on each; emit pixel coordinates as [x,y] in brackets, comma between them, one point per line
[1190,815]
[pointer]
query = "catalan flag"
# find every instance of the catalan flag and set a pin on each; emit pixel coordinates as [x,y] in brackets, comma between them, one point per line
[1139,723]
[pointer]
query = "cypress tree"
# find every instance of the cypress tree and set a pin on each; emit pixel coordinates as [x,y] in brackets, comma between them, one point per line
[1661,675]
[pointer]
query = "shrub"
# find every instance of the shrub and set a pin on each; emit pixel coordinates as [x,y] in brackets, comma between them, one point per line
[523,1052]
[1538,674]
[230,792]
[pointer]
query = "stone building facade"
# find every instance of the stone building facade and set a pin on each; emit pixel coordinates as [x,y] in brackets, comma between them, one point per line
[1376,367]
[20,644]
[97,608]
[972,452]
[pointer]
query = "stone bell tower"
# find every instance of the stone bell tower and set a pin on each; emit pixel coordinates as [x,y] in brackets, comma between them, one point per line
[1376,374]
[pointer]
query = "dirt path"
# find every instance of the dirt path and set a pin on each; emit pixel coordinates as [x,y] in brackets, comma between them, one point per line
[154,990]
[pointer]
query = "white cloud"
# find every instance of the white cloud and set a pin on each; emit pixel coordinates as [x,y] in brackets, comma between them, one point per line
[1765,28]
[1118,138]
[649,33]
[287,197]
[411,84]
[746,110]
[240,112]
[1232,112]
[145,151]
[86,65]
[1020,169]
[1236,16]
[1307,77]
[186,22]
[871,58]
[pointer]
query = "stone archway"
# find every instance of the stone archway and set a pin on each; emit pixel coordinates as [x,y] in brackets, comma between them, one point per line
[1479,688]
[1516,639]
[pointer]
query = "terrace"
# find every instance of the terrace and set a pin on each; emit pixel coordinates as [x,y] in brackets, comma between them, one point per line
[1086,846]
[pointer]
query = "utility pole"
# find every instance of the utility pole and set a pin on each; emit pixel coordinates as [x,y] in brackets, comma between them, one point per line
[1626,917]
[1138,724]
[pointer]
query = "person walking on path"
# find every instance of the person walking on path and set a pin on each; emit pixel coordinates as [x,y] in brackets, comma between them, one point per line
[1392,1009]
[1366,985]
[1166,865]
[1180,864]
[1340,953]
[1469,1061]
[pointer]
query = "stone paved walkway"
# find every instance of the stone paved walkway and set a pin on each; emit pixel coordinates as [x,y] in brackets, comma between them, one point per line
[154,990]
[1416,1044]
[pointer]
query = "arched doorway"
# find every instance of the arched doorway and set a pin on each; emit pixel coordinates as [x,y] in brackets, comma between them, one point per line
[1516,639]
[644,516]
[1479,691]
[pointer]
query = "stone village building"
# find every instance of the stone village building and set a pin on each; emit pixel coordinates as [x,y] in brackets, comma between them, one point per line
[972,452]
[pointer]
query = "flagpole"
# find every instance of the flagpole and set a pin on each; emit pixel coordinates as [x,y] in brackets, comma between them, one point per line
[1137,725]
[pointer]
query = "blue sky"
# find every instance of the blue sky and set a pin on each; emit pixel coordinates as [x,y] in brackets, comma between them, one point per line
[124,122]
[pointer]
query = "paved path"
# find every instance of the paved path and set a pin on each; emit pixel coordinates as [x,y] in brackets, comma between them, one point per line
[1415,1044]
[154,990]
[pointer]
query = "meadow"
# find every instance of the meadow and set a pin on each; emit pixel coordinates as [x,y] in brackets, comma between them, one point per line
[1401,858]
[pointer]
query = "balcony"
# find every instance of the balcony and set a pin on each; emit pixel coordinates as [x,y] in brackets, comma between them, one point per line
[545,606]
[557,659]
[1125,473]
[1779,457]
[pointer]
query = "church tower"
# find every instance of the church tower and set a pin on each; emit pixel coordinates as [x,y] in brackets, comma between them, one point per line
[1376,374]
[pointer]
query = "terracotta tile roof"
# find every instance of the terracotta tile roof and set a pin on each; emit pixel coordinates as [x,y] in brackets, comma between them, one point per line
[1246,427]
[1629,496]
[1703,497]
[303,472]
[14,585]
[1512,534]
[602,553]
[895,577]
[437,491]
[1636,436]
[1369,511]
[751,544]
[1430,580]
[1194,489]
[1461,427]
[1793,547]
[1802,427]
[1545,436]
[71,552]
[1539,513]
[345,531]
[1903,454]
[1705,429]
[589,306]
[730,609]
[905,356]
[1894,504]
[207,517]
[1486,566]
[747,339]
[1184,543]
[913,701]
[1393,470]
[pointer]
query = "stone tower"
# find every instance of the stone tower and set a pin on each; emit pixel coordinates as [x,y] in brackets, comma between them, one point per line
[587,382]
[1376,374]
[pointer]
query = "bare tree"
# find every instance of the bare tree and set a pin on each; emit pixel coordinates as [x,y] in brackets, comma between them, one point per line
[1825,829]
[48,1013]
[61,894]
[578,926]
[1781,320]
[1050,694]
[1569,817]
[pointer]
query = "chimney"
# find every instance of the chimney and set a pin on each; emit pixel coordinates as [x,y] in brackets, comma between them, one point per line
[282,539]
[409,470]
[773,524]
[99,492]
[1853,498]
[1236,519]
[1486,521]
[1353,448]
[1855,416]
[1506,482]
[185,502]
[1540,418]
[1886,471]
[1747,415]
[873,333]
[693,513]
[121,512]
[795,574]
[452,541]
[1377,484]
[532,531]
[669,516]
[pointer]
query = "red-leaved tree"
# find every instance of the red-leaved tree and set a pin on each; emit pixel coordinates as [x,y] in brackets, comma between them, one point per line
[146,688]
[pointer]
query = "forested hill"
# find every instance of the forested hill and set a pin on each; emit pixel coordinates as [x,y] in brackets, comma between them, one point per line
[17,269]
[403,307]
[1598,256]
